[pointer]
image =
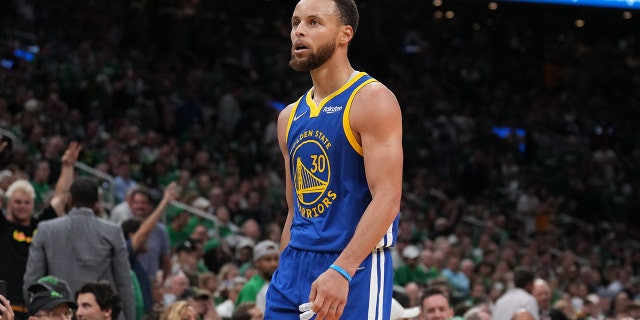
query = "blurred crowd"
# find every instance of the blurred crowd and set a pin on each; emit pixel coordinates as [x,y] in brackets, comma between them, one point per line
[520,140]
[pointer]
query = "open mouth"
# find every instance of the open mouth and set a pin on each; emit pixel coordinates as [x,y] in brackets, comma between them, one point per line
[299,47]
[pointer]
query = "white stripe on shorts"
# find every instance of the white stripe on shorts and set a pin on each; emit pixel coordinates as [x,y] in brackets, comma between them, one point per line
[376,294]
[387,239]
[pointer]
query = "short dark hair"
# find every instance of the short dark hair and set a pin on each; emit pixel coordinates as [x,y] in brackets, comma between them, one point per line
[143,191]
[523,276]
[434,291]
[131,225]
[242,311]
[105,294]
[348,13]
[84,192]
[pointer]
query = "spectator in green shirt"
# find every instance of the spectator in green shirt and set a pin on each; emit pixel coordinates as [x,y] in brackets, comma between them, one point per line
[40,182]
[266,256]
[412,270]
[177,227]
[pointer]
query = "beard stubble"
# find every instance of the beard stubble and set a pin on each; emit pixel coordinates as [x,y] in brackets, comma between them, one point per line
[315,59]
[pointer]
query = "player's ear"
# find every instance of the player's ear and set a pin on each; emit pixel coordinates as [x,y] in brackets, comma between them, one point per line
[346,34]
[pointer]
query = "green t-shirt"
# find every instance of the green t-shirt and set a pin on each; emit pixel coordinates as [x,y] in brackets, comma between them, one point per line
[224,231]
[202,267]
[137,295]
[244,267]
[177,237]
[417,274]
[250,290]
[41,190]
[196,221]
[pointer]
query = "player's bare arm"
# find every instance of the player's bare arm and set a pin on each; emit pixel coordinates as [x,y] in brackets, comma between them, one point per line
[283,120]
[377,122]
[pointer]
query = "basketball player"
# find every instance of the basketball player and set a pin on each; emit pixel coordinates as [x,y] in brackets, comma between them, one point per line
[342,144]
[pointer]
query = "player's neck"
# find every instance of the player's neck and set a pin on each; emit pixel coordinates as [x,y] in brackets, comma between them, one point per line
[329,78]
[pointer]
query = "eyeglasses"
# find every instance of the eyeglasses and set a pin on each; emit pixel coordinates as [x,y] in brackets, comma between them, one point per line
[56,315]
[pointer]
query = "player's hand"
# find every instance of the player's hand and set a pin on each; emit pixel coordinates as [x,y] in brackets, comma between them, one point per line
[329,295]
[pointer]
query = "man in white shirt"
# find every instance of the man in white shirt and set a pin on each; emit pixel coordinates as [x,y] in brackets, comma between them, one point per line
[542,293]
[517,298]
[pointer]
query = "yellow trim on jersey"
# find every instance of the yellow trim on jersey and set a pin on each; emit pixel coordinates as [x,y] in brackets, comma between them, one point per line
[315,109]
[346,124]
[291,116]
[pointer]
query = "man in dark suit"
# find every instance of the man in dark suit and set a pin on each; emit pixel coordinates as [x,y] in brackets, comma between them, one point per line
[82,247]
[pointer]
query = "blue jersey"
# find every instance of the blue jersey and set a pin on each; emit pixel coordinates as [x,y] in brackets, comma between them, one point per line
[330,190]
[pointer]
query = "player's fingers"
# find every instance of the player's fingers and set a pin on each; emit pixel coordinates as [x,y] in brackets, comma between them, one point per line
[332,312]
[313,293]
[320,304]
[325,312]
[339,311]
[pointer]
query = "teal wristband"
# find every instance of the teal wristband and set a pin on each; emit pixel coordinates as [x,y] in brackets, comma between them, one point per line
[341,271]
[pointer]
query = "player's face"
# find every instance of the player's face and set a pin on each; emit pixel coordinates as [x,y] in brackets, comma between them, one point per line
[314,30]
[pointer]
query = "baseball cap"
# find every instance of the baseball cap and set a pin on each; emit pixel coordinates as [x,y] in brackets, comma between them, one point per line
[592,298]
[264,248]
[31,105]
[211,245]
[245,242]
[411,252]
[48,300]
[239,280]
[400,312]
[173,212]
[201,203]
[196,293]
[50,283]
[186,246]
[5,174]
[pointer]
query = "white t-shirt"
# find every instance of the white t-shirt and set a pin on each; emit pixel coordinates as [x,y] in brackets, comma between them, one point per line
[513,301]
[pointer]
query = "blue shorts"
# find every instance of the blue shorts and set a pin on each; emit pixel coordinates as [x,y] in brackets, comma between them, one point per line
[370,290]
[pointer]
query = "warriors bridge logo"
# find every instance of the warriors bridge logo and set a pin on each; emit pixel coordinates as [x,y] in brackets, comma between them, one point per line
[312,173]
